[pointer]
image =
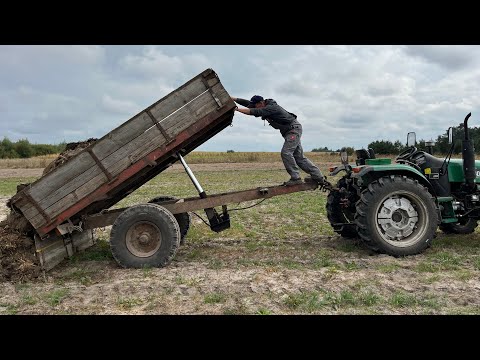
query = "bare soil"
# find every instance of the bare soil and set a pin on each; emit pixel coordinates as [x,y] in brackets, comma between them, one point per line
[240,276]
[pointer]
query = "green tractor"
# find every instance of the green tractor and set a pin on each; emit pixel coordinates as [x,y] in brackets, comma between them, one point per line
[395,208]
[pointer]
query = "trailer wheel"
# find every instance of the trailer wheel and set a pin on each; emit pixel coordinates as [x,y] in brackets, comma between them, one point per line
[336,213]
[144,235]
[396,215]
[463,226]
[184,219]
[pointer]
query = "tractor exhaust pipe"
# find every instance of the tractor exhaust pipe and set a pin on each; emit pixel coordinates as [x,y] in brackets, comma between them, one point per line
[468,154]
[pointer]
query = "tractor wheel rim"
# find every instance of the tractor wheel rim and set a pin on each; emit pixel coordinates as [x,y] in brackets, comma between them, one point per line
[143,239]
[401,219]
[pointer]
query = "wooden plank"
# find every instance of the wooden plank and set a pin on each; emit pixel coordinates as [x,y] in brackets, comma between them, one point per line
[54,249]
[29,211]
[189,114]
[196,110]
[121,135]
[161,110]
[64,173]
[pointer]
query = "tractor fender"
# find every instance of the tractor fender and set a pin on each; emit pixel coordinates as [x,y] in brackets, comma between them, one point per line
[370,173]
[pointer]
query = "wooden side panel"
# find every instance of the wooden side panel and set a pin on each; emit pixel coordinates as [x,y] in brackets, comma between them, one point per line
[71,170]
[121,159]
[54,250]
[122,147]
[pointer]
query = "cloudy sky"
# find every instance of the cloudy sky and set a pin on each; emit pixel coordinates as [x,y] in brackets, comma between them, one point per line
[343,95]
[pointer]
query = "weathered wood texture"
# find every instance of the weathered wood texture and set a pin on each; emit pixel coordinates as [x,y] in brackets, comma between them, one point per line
[101,163]
[53,250]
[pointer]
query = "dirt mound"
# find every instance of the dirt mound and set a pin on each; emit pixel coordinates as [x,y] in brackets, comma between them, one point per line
[71,149]
[17,251]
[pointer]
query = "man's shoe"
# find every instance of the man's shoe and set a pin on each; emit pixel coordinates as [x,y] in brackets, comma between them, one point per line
[293,182]
[318,180]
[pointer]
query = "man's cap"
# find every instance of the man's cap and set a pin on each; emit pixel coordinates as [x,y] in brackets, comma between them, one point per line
[254,100]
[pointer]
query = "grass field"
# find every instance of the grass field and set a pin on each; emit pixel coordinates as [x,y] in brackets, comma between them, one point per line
[206,157]
[280,257]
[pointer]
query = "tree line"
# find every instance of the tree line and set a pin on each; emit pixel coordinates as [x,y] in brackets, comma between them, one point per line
[441,145]
[24,149]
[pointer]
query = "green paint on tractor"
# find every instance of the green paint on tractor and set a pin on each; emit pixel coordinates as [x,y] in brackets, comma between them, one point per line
[395,207]
[455,171]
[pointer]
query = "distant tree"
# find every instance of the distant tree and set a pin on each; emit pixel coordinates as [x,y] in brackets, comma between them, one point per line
[324,149]
[398,147]
[7,150]
[230,151]
[350,150]
[383,147]
[23,148]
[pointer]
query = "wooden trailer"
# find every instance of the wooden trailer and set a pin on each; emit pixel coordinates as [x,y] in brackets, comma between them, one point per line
[66,204]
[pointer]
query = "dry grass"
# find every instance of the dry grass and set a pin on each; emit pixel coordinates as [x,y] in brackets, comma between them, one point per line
[203,157]
[30,163]
[195,157]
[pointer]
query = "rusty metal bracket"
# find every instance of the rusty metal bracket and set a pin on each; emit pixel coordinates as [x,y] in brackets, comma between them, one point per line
[99,163]
[37,206]
[159,126]
[147,161]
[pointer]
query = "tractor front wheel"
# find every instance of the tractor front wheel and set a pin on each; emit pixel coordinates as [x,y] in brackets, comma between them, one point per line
[396,215]
[463,226]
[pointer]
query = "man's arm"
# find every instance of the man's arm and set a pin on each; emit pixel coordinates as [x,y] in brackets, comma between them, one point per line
[240,101]
[267,111]
[245,111]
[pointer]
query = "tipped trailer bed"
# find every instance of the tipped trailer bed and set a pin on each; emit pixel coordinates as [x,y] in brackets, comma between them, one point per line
[65,205]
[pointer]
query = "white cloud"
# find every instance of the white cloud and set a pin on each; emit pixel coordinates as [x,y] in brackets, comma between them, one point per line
[123,107]
[154,63]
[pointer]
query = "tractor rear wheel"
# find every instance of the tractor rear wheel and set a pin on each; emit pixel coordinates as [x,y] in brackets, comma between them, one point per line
[396,215]
[144,235]
[463,226]
[184,219]
[341,214]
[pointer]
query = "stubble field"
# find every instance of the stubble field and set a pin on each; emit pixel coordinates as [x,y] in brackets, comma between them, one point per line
[280,257]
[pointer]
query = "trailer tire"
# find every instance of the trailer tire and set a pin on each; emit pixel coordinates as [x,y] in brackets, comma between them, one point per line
[461,227]
[336,214]
[396,215]
[144,235]
[184,219]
